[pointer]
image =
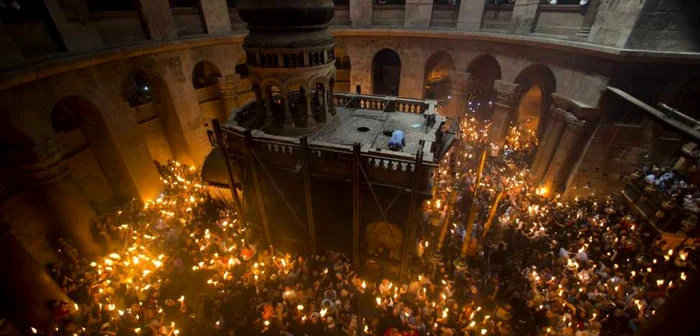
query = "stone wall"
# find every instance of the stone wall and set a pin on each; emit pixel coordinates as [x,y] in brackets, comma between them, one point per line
[559,20]
[615,21]
[188,21]
[388,15]
[578,76]
[118,28]
[341,17]
[497,18]
[668,25]
[444,16]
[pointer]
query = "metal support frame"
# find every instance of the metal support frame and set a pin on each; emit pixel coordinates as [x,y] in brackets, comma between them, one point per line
[356,206]
[472,205]
[281,193]
[410,227]
[229,169]
[306,173]
[250,153]
[492,213]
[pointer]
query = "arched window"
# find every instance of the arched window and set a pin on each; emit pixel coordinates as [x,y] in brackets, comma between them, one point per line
[435,81]
[205,74]
[386,72]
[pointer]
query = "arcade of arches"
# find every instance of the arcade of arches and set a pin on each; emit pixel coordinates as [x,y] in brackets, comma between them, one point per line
[111,119]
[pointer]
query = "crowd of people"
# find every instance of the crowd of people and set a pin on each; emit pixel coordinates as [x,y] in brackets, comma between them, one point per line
[671,185]
[183,264]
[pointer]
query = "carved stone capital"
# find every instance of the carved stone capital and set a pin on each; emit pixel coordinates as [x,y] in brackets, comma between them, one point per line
[507,94]
[39,164]
[574,123]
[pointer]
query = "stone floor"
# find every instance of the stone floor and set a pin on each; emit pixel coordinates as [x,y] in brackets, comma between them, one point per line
[368,127]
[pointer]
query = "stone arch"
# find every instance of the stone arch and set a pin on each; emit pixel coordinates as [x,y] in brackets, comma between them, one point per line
[242,68]
[386,72]
[435,81]
[384,235]
[343,67]
[152,102]
[486,69]
[91,154]
[297,88]
[205,74]
[538,83]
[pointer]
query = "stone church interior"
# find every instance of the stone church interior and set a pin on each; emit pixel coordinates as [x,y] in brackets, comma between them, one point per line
[350,167]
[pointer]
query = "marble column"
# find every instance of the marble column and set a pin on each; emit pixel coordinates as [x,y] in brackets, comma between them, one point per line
[310,121]
[158,20]
[215,15]
[42,167]
[27,286]
[229,97]
[460,84]
[565,155]
[504,108]
[288,120]
[548,144]
[269,101]
[470,14]
[421,12]
[361,13]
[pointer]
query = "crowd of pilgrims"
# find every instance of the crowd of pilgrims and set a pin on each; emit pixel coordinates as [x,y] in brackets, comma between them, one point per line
[184,264]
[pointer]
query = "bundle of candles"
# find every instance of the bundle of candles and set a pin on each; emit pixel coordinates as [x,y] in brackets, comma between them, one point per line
[182,264]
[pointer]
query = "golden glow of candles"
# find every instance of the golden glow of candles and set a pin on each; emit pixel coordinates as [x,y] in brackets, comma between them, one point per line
[323,312]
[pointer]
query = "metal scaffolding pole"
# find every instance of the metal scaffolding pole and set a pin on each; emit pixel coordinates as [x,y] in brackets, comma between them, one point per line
[306,172]
[472,205]
[410,227]
[229,168]
[256,183]
[356,206]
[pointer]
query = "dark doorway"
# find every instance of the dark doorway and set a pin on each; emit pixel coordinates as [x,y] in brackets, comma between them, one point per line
[386,72]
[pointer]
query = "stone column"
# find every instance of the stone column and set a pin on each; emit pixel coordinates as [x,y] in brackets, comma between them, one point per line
[585,30]
[74,26]
[470,14]
[288,121]
[524,16]
[215,15]
[507,98]
[420,13]
[460,84]
[11,55]
[43,169]
[548,144]
[26,284]
[229,97]
[310,121]
[567,151]
[361,13]
[269,115]
[158,19]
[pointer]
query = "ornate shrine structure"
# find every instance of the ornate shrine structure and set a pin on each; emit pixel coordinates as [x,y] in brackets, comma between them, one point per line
[311,166]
